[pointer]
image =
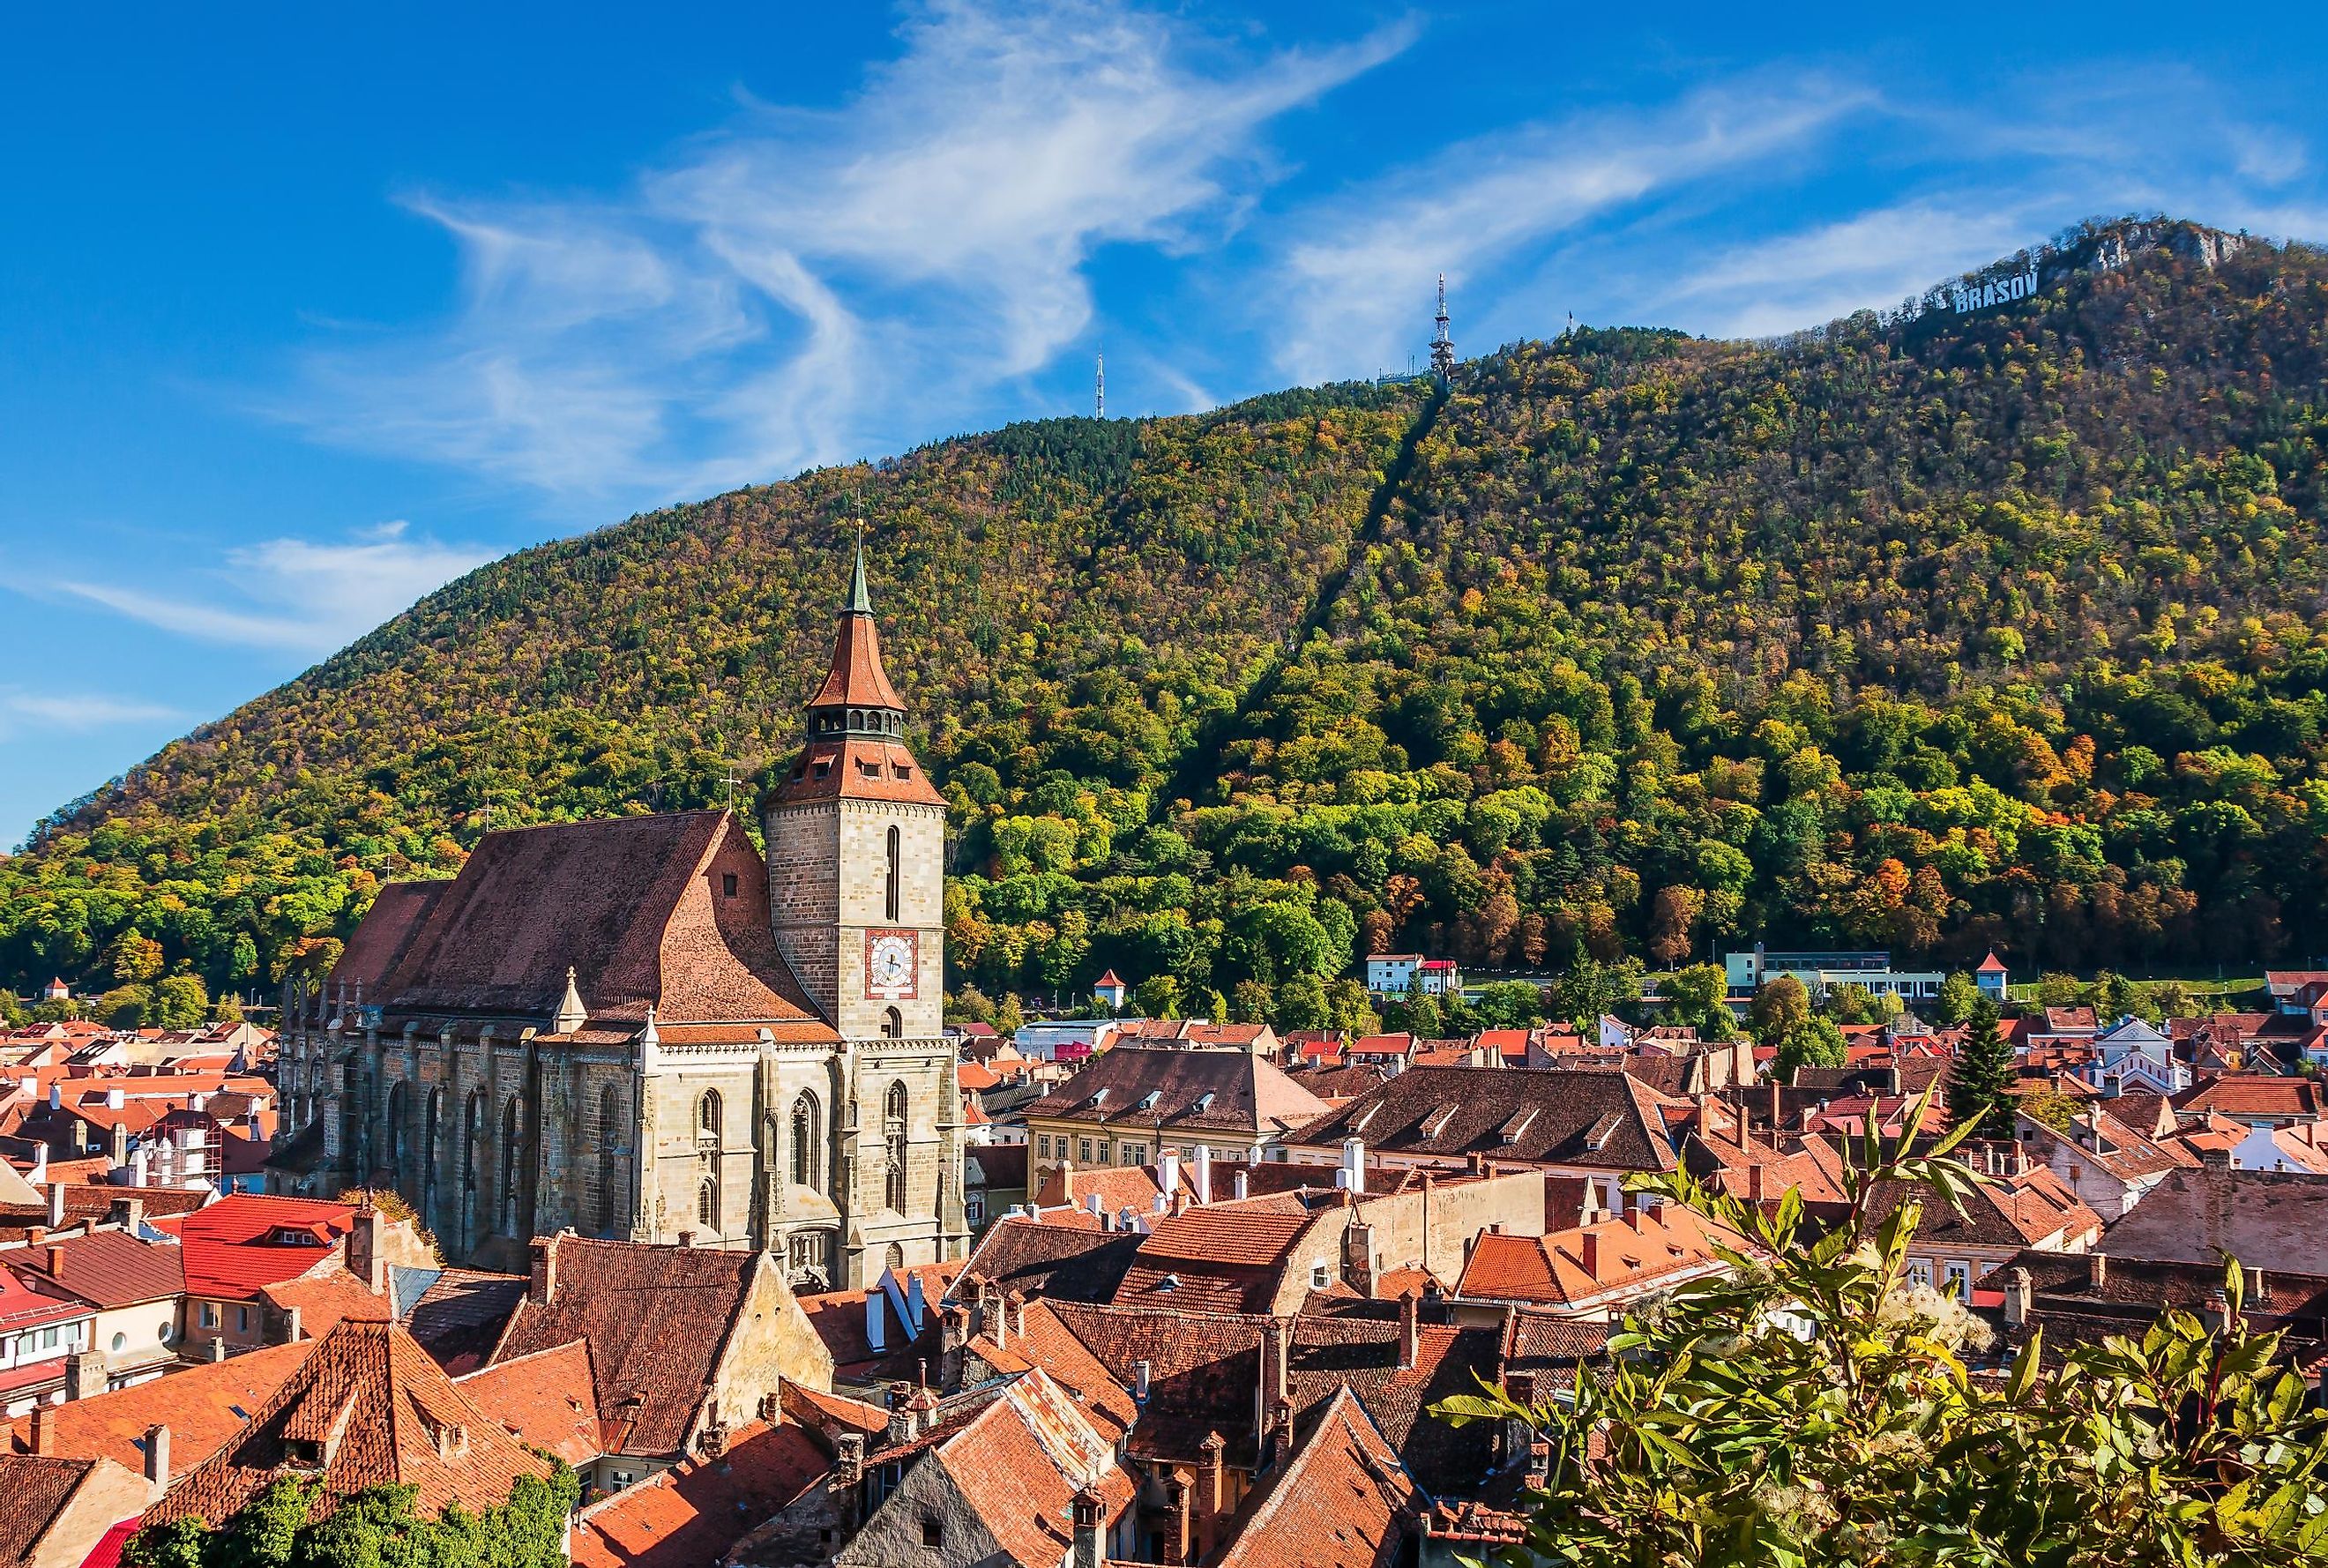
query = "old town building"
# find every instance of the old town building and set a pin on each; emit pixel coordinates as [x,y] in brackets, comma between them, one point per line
[642,1028]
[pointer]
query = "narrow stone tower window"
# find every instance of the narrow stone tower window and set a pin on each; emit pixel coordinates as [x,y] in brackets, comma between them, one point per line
[894,1127]
[893,1024]
[889,898]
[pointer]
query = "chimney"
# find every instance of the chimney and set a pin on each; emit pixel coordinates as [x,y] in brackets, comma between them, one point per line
[129,1213]
[139,1163]
[538,1289]
[56,1263]
[2096,1272]
[1141,1370]
[1241,1185]
[1087,1528]
[2020,1291]
[991,1321]
[84,1374]
[1588,1247]
[1409,1332]
[1354,1164]
[1216,1472]
[1358,1258]
[39,1175]
[368,1257]
[218,1347]
[1179,1541]
[56,1205]
[1754,1182]
[44,1430]
[1016,1304]
[1167,1179]
[1203,1174]
[1098,1207]
[848,1462]
[115,1100]
[157,1461]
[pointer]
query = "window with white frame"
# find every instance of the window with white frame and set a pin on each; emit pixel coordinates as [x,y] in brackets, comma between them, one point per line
[1957,1281]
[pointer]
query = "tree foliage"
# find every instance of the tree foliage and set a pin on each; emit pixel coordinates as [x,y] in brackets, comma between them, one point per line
[284,1526]
[2000,630]
[1816,1407]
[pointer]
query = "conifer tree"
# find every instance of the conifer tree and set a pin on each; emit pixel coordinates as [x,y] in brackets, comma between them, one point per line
[1981,1087]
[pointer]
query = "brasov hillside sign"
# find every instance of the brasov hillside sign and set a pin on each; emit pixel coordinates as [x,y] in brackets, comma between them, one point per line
[2005,290]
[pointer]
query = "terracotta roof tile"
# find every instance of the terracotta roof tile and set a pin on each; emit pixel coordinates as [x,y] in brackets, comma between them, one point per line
[861,767]
[32,1492]
[1340,1499]
[636,906]
[1584,1117]
[107,1268]
[546,1400]
[691,1515]
[202,1405]
[1061,1262]
[1181,1089]
[379,1411]
[241,1243]
[656,1317]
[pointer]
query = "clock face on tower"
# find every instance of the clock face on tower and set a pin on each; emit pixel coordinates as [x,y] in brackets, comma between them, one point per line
[893,964]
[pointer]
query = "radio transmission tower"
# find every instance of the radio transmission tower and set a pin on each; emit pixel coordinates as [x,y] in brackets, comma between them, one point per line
[1442,347]
[1099,387]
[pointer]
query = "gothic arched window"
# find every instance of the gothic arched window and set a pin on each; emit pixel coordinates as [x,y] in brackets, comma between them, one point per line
[707,1203]
[890,899]
[474,1130]
[512,1127]
[893,1127]
[400,1140]
[893,1023]
[808,1141]
[707,1114]
[428,1144]
[610,1138]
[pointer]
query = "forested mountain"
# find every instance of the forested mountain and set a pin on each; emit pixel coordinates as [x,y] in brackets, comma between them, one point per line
[1933,631]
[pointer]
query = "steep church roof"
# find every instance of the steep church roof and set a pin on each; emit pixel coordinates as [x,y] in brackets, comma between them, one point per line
[638,907]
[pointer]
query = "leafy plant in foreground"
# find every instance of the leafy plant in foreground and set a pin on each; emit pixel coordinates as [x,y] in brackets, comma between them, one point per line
[1816,1407]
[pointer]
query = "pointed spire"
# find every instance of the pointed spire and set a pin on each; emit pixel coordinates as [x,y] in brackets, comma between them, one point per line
[571,1014]
[651,1035]
[860,600]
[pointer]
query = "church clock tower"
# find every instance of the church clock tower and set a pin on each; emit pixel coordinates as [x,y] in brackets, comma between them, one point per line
[856,837]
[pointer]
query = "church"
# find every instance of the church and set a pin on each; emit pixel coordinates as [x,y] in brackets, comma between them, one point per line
[643,1027]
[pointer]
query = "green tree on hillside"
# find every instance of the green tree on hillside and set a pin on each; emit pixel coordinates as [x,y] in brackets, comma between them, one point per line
[1980,1085]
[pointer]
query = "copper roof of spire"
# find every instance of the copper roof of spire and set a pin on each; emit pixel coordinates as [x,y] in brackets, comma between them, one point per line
[855,678]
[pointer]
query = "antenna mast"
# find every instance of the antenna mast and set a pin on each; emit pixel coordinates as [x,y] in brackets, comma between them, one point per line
[1099,387]
[1442,347]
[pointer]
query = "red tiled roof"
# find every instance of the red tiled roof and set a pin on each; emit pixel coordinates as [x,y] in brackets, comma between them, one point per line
[2255,1095]
[1638,1253]
[232,1247]
[107,1268]
[32,1492]
[1339,1500]
[544,1399]
[383,1413]
[690,1516]
[202,1405]
[859,767]
[326,1300]
[1195,1091]
[656,1317]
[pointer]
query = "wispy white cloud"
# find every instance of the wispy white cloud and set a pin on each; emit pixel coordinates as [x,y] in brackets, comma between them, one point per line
[78,711]
[1874,259]
[1354,275]
[294,593]
[804,284]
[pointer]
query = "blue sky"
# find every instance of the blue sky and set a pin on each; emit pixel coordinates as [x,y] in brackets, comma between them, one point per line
[306,309]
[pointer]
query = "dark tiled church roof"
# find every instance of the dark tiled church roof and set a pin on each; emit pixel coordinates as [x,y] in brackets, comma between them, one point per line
[637,906]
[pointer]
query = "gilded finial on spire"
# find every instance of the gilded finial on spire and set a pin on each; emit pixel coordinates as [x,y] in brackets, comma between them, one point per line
[860,599]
